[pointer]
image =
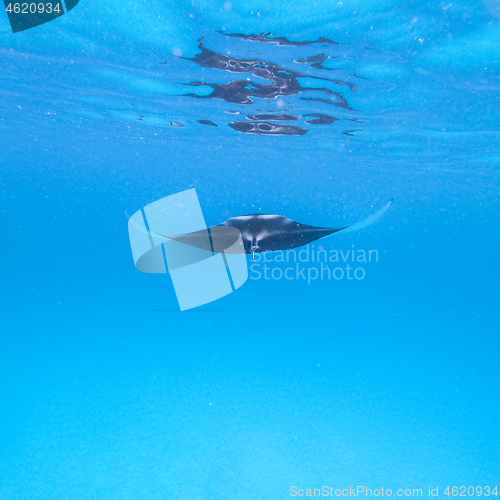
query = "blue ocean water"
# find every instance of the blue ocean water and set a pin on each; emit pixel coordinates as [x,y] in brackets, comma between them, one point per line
[109,391]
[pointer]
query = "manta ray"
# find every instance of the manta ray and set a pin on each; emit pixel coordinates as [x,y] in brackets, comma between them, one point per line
[260,233]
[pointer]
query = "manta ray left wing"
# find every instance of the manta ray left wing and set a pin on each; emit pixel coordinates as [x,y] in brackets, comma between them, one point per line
[217,239]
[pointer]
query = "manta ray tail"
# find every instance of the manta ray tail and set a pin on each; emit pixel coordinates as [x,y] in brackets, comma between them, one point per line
[368,221]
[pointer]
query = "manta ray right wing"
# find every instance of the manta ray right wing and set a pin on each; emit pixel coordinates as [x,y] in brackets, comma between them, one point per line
[366,222]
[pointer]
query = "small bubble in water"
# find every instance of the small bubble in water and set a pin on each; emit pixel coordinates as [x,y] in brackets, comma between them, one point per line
[228,6]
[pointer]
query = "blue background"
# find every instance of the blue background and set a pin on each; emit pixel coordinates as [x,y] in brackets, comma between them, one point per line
[108,391]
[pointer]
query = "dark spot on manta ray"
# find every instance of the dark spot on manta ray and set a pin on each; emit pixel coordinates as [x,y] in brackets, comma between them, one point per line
[265,128]
[321,119]
[262,233]
[206,122]
[280,41]
[272,116]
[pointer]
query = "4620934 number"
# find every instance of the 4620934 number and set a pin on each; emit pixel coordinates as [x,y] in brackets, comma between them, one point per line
[33,8]
[471,491]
